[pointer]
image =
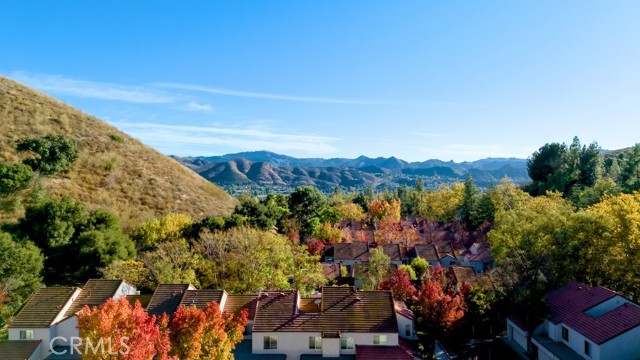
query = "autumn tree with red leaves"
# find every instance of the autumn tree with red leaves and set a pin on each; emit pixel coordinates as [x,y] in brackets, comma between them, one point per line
[438,311]
[206,334]
[400,285]
[315,247]
[126,332]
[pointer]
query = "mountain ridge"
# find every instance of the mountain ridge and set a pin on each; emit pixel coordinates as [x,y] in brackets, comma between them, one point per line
[263,171]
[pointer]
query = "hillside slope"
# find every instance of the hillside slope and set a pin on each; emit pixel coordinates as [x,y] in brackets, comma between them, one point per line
[113,170]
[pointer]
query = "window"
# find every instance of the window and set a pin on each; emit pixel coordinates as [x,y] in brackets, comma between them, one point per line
[379,339]
[407,330]
[346,343]
[26,334]
[565,334]
[315,342]
[587,348]
[270,342]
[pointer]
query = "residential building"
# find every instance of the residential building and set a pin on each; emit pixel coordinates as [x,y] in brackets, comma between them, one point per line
[49,315]
[341,319]
[583,322]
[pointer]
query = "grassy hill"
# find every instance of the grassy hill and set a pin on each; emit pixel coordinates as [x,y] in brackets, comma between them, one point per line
[113,170]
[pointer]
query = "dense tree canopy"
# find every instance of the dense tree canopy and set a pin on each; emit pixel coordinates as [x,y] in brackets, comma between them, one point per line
[20,266]
[133,333]
[14,177]
[205,334]
[76,243]
[54,153]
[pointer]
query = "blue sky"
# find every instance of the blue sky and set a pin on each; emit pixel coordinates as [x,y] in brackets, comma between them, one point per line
[417,80]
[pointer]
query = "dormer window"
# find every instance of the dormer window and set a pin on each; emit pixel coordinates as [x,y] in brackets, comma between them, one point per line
[565,334]
[26,334]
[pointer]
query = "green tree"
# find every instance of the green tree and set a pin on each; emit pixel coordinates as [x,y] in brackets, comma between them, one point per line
[307,272]
[54,153]
[74,241]
[14,177]
[263,215]
[243,259]
[172,262]
[306,204]
[170,227]
[420,266]
[468,210]
[20,266]
[630,170]
[378,270]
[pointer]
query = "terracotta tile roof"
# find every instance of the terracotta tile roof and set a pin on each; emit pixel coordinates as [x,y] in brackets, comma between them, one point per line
[373,352]
[569,305]
[357,250]
[18,349]
[464,274]
[235,303]
[94,293]
[402,309]
[167,298]
[331,270]
[200,298]
[143,299]
[396,252]
[428,252]
[343,309]
[445,248]
[43,307]
[310,305]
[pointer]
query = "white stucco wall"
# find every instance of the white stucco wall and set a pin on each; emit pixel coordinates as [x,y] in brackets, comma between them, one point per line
[402,324]
[44,334]
[625,346]
[294,344]
[517,335]
[331,347]
[67,329]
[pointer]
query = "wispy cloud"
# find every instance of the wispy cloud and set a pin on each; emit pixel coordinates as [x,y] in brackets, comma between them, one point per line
[93,89]
[270,96]
[168,137]
[463,152]
[194,106]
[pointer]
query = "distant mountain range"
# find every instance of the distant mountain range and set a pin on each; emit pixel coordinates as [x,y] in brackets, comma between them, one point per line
[262,171]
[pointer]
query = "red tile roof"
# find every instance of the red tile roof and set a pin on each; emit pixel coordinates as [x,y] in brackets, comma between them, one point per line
[368,352]
[569,304]
[43,307]
[94,293]
[331,270]
[402,309]
[235,303]
[201,298]
[395,251]
[167,298]
[18,349]
[342,309]
[357,250]
[428,252]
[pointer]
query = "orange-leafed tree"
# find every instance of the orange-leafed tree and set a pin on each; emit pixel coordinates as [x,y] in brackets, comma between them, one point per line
[380,209]
[438,310]
[118,330]
[400,285]
[206,334]
[390,231]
